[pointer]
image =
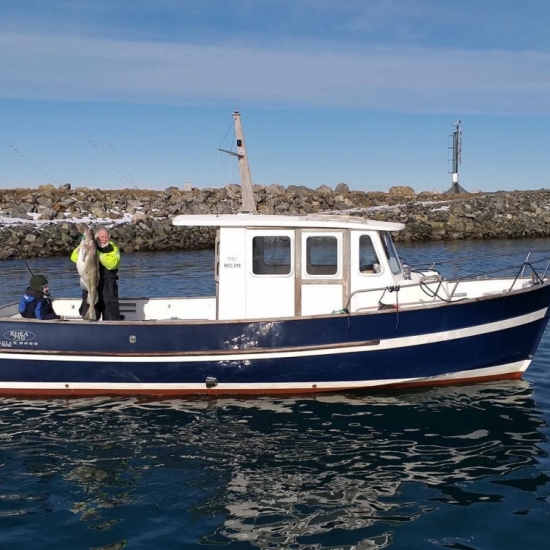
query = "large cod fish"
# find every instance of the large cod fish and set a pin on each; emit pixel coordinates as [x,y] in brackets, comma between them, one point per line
[87,265]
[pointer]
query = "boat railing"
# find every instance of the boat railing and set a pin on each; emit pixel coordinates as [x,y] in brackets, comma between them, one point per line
[536,279]
[462,260]
[520,273]
[433,293]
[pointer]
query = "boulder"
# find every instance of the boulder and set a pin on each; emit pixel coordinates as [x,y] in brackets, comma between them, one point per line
[299,189]
[341,188]
[401,190]
[47,188]
[275,189]
[19,211]
[325,190]
[98,212]
[138,217]
[233,191]
[46,213]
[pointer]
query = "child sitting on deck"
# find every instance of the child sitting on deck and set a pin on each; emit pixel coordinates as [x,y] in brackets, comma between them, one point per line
[36,302]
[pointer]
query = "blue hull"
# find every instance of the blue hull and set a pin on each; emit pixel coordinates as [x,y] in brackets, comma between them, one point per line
[307,354]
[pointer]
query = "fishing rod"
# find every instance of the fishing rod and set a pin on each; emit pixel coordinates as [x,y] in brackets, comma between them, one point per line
[31,163]
[26,159]
[16,246]
[124,172]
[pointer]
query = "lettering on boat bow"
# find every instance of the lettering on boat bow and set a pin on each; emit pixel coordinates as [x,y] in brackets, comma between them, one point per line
[19,335]
[13,338]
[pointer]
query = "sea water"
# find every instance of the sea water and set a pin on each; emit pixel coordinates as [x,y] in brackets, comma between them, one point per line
[460,467]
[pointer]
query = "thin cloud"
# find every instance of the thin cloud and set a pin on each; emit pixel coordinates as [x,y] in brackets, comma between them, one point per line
[54,67]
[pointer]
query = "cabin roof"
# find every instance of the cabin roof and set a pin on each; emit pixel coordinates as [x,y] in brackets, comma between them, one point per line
[312,221]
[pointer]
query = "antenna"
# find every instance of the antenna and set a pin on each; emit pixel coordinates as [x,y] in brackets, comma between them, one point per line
[455,159]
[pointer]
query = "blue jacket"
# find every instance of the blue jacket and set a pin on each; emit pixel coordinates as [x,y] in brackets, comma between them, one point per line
[36,305]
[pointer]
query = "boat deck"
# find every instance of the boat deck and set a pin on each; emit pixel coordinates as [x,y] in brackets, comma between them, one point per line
[137,309]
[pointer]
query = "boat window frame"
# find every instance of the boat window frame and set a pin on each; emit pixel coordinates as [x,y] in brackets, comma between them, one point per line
[390,252]
[381,264]
[308,263]
[266,234]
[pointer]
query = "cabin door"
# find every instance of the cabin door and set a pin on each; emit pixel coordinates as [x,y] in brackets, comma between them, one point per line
[270,273]
[324,275]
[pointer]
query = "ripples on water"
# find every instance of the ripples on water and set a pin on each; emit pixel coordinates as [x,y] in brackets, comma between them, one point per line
[460,467]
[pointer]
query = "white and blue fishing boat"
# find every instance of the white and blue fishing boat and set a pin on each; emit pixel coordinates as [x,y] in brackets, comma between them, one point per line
[316,303]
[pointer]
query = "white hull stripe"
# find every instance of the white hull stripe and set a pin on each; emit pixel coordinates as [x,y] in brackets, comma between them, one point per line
[501,370]
[390,343]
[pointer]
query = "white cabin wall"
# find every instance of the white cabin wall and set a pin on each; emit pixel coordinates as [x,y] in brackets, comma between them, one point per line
[232,271]
[361,281]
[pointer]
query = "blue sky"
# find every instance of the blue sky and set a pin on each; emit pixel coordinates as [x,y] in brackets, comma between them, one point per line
[124,93]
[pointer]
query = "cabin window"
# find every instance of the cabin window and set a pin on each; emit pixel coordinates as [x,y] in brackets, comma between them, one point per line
[322,256]
[271,255]
[391,253]
[368,260]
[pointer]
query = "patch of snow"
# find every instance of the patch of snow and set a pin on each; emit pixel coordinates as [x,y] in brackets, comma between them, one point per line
[84,219]
[363,210]
[429,203]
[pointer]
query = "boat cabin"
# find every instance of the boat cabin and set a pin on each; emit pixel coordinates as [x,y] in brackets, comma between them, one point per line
[285,266]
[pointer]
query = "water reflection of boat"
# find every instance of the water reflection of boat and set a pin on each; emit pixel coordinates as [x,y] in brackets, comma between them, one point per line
[386,463]
[280,472]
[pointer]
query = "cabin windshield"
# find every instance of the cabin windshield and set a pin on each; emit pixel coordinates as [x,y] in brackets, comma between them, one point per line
[391,253]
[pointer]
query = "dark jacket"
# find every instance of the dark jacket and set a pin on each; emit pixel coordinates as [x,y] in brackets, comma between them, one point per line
[110,254]
[37,305]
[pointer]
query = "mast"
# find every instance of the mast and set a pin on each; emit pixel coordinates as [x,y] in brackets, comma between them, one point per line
[248,202]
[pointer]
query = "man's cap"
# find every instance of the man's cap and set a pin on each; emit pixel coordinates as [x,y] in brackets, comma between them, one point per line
[37,282]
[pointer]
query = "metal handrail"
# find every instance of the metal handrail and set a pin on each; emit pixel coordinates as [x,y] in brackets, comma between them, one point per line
[457,281]
[484,257]
[533,272]
[480,274]
[383,289]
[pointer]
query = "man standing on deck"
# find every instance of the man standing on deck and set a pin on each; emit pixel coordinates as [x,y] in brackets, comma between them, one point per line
[107,287]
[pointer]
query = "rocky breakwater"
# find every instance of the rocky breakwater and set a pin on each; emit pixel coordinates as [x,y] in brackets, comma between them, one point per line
[48,221]
[500,215]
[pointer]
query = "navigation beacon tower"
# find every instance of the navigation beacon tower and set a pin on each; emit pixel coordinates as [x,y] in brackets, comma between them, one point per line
[455,158]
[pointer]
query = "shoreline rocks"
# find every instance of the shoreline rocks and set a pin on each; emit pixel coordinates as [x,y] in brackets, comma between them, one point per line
[140,220]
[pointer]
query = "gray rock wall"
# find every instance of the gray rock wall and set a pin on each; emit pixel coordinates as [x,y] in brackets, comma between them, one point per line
[141,220]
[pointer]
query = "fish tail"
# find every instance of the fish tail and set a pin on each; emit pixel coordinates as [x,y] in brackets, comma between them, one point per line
[90,315]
